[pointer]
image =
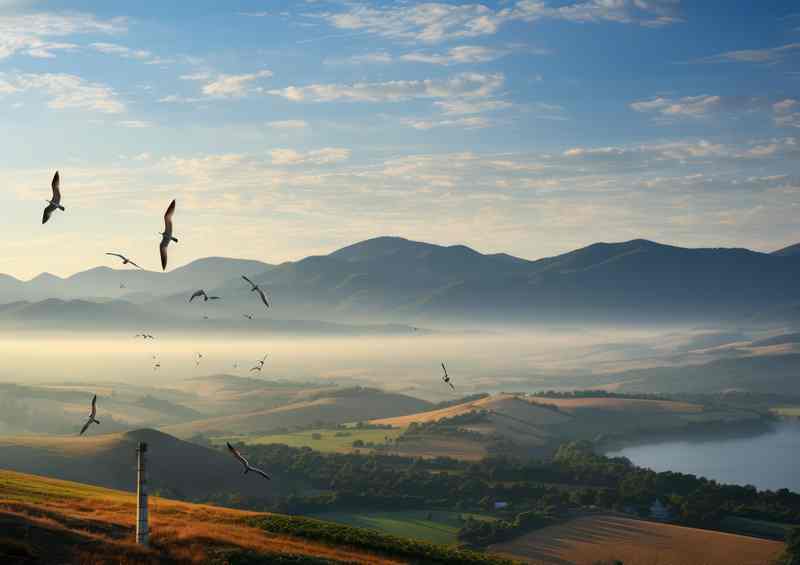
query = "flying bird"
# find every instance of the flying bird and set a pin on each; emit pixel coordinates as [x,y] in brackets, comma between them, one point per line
[125,260]
[122,285]
[156,366]
[243,461]
[257,289]
[199,357]
[446,377]
[260,364]
[248,316]
[55,203]
[92,419]
[166,235]
[202,293]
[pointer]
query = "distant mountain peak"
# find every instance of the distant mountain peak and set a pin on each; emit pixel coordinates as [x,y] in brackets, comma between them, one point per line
[788,250]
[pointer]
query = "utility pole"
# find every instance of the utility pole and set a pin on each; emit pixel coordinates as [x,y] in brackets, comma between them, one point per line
[142,525]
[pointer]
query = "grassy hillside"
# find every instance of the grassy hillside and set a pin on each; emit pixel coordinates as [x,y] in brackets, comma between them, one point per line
[333,407]
[50,521]
[109,460]
[604,538]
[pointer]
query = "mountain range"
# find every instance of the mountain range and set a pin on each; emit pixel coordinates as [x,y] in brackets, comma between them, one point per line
[395,280]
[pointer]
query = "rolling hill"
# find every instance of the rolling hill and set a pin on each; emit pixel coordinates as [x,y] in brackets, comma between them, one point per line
[331,407]
[393,279]
[45,521]
[109,460]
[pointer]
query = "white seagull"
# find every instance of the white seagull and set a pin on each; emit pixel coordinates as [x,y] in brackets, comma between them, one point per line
[55,203]
[125,260]
[260,364]
[205,296]
[92,419]
[446,377]
[166,235]
[243,461]
[257,289]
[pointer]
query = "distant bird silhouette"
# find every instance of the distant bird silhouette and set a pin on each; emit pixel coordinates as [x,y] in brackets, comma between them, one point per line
[166,235]
[199,357]
[202,293]
[257,289]
[243,461]
[125,260]
[248,316]
[156,366]
[55,202]
[92,419]
[205,317]
[235,365]
[446,377]
[260,364]
[122,285]
[144,336]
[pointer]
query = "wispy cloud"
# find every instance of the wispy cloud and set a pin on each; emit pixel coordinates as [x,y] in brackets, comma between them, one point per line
[433,22]
[288,124]
[224,85]
[469,122]
[464,85]
[324,156]
[32,34]
[787,113]
[64,91]
[376,58]
[767,55]
[457,55]
[686,107]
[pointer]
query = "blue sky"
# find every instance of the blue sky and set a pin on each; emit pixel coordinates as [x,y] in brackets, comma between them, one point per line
[291,128]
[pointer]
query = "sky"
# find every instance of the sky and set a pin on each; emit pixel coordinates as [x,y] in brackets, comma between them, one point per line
[285,129]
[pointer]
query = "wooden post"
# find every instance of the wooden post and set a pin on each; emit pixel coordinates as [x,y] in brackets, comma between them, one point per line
[142,526]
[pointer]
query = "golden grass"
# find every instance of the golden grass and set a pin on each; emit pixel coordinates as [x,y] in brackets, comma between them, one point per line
[601,537]
[506,404]
[95,526]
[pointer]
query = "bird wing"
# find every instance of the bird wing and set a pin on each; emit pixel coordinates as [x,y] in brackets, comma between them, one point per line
[248,280]
[263,298]
[168,217]
[451,385]
[444,369]
[163,250]
[260,472]
[213,297]
[238,455]
[85,427]
[196,294]
[94,406]
[264,358]
[48,212]
[135,265]
[118,255]
[56,186]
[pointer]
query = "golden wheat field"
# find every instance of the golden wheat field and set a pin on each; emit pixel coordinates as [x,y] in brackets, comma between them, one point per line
[588,539]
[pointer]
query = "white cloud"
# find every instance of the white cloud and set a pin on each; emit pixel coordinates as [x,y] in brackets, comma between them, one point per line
[786,114]
[324,156]
[768,55]
[135,124]
[376,58]
[233,86]
[457,55]
[288,124]
[461,106]
[467,85]
[64,91]
[432,22]
[121,51]
[31,34]
[471,122]
[688,106]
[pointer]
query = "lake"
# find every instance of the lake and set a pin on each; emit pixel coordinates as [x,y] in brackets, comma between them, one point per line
[767,461]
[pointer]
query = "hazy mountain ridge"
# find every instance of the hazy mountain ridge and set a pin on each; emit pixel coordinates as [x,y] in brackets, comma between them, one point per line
[393,279]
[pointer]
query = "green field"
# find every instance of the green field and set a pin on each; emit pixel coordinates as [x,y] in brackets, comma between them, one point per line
[328,442]
[441,528]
